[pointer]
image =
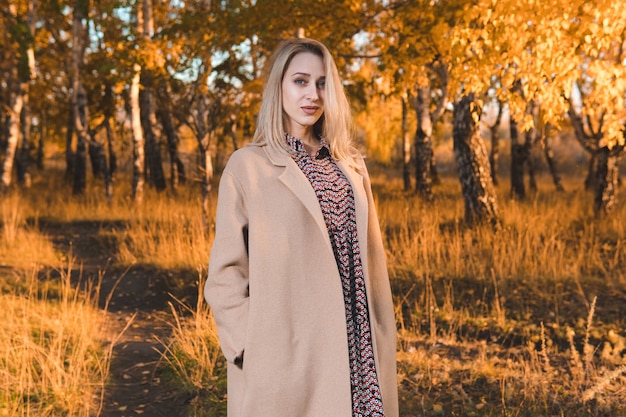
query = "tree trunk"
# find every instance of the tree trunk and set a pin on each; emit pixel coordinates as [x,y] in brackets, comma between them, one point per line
[605,192]
[79,98]
[549,155]
[207,178]
[22,157]
[233,131]
[96,153]
[112,163]
[138,140]
[434,174]
[110,132]
[423,144]
[24,177]
[69,149]
[156,174]
[590,141]
[4,133]
[518,161]
[164,114]
[79,103]
[98,158]
[203,137]
[406,146]
[532,137]
[592,168]
[154,162]
[177,168]
[99,162]
[556,178]
[473,166]
[18,77]
[494,155]
[4,129]
[43,131]
[13,127]
[532,168]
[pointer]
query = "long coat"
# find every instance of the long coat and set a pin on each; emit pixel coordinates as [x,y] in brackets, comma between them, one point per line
[275,292]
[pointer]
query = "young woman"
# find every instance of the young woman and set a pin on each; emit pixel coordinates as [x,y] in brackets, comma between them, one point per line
[297,278]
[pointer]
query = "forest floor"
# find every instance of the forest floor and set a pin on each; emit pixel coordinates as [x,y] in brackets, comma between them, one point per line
[136,299]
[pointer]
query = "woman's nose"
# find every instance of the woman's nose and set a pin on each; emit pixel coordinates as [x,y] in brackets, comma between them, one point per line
[313,92]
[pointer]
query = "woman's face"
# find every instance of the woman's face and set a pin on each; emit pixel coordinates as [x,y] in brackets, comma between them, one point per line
[303,94]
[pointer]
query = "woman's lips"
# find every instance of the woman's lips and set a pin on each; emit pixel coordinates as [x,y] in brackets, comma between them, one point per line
[309,109]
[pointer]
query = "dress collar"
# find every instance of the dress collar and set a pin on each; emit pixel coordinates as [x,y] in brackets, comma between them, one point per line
[298,148]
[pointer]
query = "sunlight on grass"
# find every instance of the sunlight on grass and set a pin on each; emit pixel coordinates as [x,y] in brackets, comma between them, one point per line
[21,244]
[472,305]
[489,324]
[194,357]
[168,235]
[53,359]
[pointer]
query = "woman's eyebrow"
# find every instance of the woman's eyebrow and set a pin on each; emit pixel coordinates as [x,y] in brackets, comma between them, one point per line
[301,73]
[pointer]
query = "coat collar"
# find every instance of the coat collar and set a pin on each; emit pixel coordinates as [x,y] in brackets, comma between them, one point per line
[295,180]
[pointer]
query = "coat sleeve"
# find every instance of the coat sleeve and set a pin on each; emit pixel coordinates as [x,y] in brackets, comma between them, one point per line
[226,288]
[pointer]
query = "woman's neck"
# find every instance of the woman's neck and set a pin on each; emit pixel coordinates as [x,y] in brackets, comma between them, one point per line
[310,142]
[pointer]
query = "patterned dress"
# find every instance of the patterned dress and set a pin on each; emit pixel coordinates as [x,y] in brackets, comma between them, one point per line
[336,199]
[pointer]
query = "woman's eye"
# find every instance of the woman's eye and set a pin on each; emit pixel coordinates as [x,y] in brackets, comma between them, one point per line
[300,81]
[321,84]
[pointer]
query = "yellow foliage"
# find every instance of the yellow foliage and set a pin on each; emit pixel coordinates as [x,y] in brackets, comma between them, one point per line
[379,123]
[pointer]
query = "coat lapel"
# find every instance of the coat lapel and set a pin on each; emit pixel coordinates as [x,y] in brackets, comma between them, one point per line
[296,181]
[298,184]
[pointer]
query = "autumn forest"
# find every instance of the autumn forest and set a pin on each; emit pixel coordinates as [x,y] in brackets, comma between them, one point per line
[494,132]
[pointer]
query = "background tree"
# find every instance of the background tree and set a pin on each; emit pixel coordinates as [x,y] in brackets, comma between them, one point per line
[199,69]
[153,63]
[471,158]
[80,112]
[18,38]
[413,42]
[596,104]
[537,49]
[23,157]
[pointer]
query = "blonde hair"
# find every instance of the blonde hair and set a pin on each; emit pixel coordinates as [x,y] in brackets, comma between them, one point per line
[335,125]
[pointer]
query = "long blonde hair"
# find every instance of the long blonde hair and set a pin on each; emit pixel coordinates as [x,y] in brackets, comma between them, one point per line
[335,125]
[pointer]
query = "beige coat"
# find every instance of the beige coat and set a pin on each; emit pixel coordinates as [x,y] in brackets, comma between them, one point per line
[276,294]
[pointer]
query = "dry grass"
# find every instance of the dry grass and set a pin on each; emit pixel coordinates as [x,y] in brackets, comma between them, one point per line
[194,357]
[53,356]
[168,233]
[21,244]
[502,323]
[528,321]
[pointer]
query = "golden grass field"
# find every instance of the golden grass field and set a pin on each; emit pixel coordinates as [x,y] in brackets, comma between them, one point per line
[526,321]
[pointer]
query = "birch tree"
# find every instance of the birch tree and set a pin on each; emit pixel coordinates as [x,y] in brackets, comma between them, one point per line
[540,51]
[22,61]
[138,180]
[79,96]
[597,112]
[413,41]
[138,140]
[471,159]
[23,154]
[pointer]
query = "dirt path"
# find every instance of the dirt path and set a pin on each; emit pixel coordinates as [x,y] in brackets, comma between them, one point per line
[140,296]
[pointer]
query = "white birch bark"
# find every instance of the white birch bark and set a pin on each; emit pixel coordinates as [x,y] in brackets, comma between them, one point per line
[138,140]
[13,139]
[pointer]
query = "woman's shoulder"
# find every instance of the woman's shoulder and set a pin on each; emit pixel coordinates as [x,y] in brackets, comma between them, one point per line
[245,155]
